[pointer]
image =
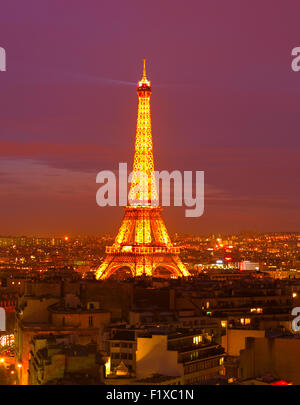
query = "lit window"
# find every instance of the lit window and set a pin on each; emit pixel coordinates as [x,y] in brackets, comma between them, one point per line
[197,339]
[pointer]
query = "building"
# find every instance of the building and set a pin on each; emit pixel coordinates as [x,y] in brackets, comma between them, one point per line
[276,356]
[52,315]
[121,341]
[54,358]
[246,265]
[121,348]
[192,356]
[163,355]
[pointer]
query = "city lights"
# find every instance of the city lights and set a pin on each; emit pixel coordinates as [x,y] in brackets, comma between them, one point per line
[208,314]
[197,340]
[6,340]
[149,221]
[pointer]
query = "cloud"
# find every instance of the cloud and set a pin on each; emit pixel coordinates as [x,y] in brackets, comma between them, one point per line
[73,156]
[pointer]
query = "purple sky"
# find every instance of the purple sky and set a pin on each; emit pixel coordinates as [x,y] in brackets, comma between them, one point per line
[225,101]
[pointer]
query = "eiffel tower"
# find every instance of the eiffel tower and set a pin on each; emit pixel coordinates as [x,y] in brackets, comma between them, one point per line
[143,245]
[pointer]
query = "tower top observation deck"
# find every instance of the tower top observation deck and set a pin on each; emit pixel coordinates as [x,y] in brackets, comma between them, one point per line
[144,85]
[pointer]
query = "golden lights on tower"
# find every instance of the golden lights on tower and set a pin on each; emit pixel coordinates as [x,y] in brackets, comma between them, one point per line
[142,244]
[143,190]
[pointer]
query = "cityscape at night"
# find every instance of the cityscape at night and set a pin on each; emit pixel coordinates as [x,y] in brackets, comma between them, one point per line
[240,286]
[149,221]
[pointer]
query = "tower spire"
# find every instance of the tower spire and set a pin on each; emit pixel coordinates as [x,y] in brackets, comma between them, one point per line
[144,84]
[143,165]
[144,69]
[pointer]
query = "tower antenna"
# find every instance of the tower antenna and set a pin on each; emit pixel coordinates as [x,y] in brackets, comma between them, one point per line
[144,68]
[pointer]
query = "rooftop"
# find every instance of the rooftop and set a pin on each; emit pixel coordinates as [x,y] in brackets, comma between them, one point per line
[157,378]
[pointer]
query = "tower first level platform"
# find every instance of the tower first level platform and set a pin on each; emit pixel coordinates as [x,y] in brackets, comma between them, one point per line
[143,246]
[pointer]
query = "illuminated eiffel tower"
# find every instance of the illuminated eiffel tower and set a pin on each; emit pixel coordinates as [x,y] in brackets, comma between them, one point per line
[142,245]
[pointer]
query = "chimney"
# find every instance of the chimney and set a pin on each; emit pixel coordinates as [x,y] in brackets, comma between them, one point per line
[172,299]
[82,292]
[62,289]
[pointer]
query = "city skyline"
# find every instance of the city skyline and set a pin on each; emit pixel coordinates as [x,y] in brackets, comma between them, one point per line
[149,221]
[66,115]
